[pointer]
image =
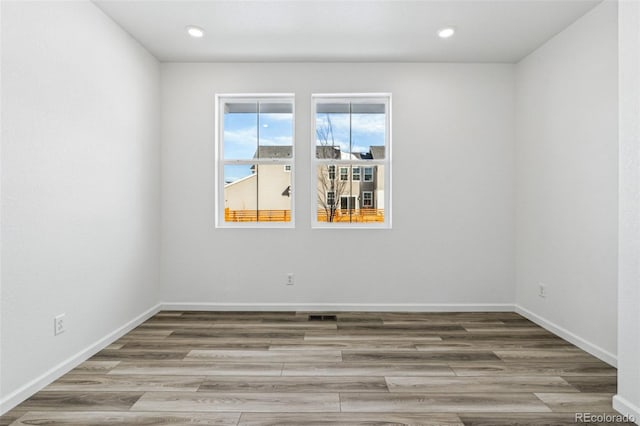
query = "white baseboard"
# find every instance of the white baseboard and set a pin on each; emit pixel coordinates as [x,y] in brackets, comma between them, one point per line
[626,408]
[69,364]
[580,342]
[341,307]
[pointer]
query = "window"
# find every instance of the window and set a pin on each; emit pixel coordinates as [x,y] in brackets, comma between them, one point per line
[347,202]
[332,172]
[367,199]
[254,158]
[352,133]
[331,198]
[356,174]
[368,174]
[344,173]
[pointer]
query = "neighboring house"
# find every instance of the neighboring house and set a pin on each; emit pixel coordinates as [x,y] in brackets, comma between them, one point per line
[268,188]
[341,188]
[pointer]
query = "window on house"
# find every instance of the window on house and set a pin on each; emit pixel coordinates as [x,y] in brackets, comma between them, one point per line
[368,174]
[332,172]
[367,199]
[356,174]
[353,134]
[331,198]
[254,158]
[344,173]
[347,202]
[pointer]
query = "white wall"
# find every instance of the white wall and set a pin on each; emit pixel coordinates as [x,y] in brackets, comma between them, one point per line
[453,219]
[1,133]
[628,398]
[80,184]
[566,166]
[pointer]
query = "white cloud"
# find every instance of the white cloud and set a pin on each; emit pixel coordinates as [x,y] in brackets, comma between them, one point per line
[243,137]
[368,123]
[247,138]
[362,123]
[276,117]
[276,141]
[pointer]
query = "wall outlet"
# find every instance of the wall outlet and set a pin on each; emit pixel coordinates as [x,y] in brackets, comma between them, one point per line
[290,278]
[542,290]
[59,325]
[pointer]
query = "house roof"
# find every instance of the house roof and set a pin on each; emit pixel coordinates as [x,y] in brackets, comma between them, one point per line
[377,152]
[331,152]
[276,151]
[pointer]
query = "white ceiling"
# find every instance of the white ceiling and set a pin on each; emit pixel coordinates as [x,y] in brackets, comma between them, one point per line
[351,30]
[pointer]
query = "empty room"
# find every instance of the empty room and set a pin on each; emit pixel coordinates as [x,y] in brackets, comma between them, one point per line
[298,212]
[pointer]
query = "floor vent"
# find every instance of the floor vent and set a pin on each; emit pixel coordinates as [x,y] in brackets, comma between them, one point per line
[322,318]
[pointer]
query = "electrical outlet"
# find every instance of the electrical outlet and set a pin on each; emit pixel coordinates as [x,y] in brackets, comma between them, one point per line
[542,290]
[290,278]
[59,325]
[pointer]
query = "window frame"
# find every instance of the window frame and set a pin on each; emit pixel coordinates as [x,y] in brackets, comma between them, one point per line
[353,173]
[333,193]
[386,99]
[364,174]
[362,204]
[331,170]
[346,175]
[220,161]
[350,199]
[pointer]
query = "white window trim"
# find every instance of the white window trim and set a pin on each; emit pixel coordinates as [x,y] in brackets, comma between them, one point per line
[220,162]
[355,202]
[340,174]
[331,167]
[359,174]
[362,203]
[364,174]
[315,162]
[326,197]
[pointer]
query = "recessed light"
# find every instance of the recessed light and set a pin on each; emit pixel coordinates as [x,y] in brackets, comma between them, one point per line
[195,32]
[446,32]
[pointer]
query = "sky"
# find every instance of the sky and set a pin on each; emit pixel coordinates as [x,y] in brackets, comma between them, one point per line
[241,138]
[241,131]
[366,130]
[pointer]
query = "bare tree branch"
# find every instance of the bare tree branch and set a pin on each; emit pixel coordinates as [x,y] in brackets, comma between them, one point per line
[329,182]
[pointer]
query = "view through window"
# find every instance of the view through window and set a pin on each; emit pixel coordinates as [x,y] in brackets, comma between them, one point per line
[255,153]
[351,160]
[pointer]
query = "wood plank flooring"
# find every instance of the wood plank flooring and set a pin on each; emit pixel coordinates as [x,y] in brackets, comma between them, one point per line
[277,368]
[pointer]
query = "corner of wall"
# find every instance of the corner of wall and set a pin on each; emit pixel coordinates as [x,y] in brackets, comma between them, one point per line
[566,181]
[10,401]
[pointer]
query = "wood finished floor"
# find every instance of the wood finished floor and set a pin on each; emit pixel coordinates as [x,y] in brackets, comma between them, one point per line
[277,368]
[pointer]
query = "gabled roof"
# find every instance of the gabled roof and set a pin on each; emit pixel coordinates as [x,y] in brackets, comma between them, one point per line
[323,151]
[327,151]
[377,152]
[276,151]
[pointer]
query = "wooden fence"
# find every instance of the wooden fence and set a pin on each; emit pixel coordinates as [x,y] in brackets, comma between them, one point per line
[341,216]
[355,216]
[257,215]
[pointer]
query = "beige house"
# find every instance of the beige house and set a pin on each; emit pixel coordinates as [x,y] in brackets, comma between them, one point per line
[342,188]
[264,195]
[269,186]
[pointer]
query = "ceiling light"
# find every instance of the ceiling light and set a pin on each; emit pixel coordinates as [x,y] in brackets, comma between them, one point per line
[195,32]
[446,32]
